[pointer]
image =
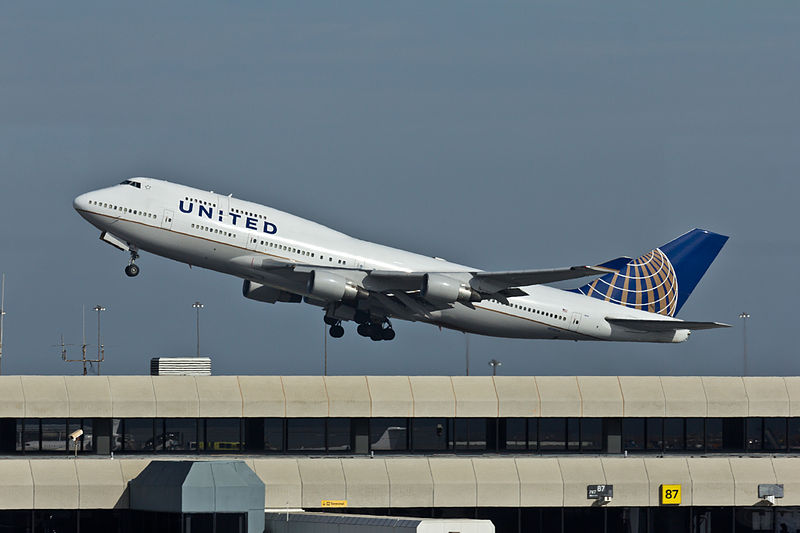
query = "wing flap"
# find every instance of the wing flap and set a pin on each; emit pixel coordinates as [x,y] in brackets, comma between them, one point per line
[387,280]
[662,325]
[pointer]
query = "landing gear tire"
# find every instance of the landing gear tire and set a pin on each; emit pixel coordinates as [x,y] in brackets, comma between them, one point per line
[337,331]
[132,270]
[376,331]
[331,321]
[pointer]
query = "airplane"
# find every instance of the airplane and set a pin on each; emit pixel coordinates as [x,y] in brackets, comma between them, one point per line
[285,258]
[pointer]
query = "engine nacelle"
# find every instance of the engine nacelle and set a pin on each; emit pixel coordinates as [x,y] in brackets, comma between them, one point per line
[329,286]
[262,293]
[440,288]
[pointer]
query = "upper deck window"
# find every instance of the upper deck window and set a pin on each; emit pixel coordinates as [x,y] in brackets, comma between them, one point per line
[132,183]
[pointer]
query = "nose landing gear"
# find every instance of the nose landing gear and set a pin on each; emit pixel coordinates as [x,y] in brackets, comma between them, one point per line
[132,270]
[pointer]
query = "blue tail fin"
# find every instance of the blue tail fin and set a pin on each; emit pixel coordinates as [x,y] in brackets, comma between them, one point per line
[662,280]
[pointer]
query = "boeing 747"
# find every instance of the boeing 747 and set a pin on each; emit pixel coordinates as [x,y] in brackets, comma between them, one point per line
[285,258]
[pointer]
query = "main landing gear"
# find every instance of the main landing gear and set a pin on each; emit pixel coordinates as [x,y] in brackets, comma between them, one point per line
[132,270]
[336,331]
[376,331]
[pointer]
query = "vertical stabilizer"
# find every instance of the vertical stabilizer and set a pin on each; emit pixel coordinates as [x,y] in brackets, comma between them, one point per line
[662,280]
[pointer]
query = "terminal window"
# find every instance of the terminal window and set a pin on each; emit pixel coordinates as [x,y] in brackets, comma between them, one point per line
[388,434]
[429,434]
[305,434]
[223,435]
[420,435]
[179,434]
[273,434]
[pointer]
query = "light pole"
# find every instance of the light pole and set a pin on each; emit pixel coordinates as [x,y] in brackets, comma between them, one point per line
[494,363]
[198,306]
[2,314]
[100,349]
[466,353]
[744,317]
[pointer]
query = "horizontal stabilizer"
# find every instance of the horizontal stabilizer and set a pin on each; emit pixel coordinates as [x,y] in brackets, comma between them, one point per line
[616,264]
[662,325]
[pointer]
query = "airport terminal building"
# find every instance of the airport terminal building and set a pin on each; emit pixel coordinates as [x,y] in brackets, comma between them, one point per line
[552,453]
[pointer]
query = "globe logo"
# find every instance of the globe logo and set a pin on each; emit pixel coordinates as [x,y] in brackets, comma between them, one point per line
[648,283]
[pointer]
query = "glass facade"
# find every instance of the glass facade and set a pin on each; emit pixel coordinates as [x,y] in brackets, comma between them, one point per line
[273,434]
[305,434]
[179,435]
[388,434]
[694,439]
[633,434]
[552,434]
[591,434]
[468,434]
[617,519]
[224,435]
[429,434]
[674,436]
[774,434]
[516,436]
[767,435]
[506,520]
[338,435]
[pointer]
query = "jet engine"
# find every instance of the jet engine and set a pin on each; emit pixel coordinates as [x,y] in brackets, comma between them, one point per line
[329,286]
[262,293]
[440,288]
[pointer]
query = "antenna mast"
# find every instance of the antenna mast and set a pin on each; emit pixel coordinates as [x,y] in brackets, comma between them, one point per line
[100,348]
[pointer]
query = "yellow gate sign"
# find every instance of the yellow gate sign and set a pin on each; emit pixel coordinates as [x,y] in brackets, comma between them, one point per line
[670,494]
[334,503]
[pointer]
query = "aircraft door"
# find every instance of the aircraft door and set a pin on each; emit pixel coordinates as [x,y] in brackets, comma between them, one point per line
[574,321]
[252,240]
[223,205]
[166,221]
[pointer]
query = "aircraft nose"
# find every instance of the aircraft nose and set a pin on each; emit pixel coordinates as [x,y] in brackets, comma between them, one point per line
[81,203]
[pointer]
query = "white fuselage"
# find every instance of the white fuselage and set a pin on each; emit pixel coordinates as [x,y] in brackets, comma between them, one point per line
[223,233]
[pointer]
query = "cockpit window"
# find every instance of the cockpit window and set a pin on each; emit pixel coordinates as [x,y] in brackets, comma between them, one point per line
[132,183]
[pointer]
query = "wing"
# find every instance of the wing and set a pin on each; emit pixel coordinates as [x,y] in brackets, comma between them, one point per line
[505,283]
[497,282]
[400,294]
[662,325]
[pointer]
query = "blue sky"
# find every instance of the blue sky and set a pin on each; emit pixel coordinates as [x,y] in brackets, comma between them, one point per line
[521,135]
